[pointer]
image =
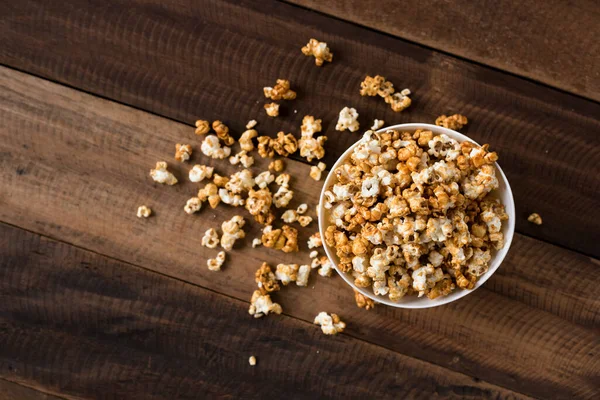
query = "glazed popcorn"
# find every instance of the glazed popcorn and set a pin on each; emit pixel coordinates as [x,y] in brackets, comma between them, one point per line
[143,212]
[272,109]
[283,180]
[160,174]
[183,152]
[286,273]
[280,91]
[215,264]
[251,124]
[409,213]
[317,170]
[535,219]
[302,208]
[276,165]
[289,216]
[231,198]
[246,143]
[454,122]
[240,181]
[242,158]
[252,361]
[200,172]
[258,205]
[210,238]
[256,242]
[399,101]
[284,144]
[265,147]
[222,132]
[376,86]
[315,241]
[348,119]
[212,148]
[311,147]
[192,205]
[284,239]
[232,230]
[261,305]
[319,50]
[210,193]
[324,265]
[304,220]
[302,275]
[202,127]
[377,124]
[220,181]
[264,179]
[363,301]
[282,197]
[330,324]
[266,279]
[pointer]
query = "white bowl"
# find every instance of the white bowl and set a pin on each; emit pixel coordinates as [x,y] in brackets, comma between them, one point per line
[508,228]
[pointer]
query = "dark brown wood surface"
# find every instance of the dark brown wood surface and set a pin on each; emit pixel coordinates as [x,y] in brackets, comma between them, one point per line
[552,41]
[186,60]
[74,167]
[140,335]
[11,390]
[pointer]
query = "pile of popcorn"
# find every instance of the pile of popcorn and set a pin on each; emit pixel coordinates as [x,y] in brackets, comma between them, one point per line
[409,213]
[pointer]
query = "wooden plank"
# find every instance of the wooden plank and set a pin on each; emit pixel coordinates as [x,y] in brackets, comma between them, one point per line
[11,390]
[186,60]
[75,167]
[556,45]
[139,335]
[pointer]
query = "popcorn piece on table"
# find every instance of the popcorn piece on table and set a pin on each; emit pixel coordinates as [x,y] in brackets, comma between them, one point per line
[302,208]
[232,230]
[289,216]
[314,241]
[272,109]
[284,239]
[330,324]
[252,361]
[222,132]
[261,305]
[242,158]
[256,242]
[316,171]
[143,212]
[246,143]
[376,86]
[284,144]
[210,238]
[220,180]
[265,147]
[304,220]
[202,127]
[319,50]
[183,152]
[280,91]
[348,119]
[326,267]
[160,174]
[215,264]
[193,205]
[454,122]
[282,197]
[240,181]
[251,124]
[200,172]
[258,205]
[276,165]
[264,179]
[266,279]
[303,275]
[210,193]
[211,147]
[311,147]
[363,301]
[399,101]
[314,254]
[535,219]
[286,273]
[377,124]
[283,180]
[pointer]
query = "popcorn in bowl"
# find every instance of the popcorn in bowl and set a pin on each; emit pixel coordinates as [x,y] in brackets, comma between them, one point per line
[416,210]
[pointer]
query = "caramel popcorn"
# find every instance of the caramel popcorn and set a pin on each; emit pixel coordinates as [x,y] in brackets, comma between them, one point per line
[202,127]
[535,219]
[282,197]
[246,143]
[210,193]
[311,147]
[454,122]
[160,174]
[284,239]
[212,148]
[266,280]
[284,144]
[280,91]
[377,124]
[261,305]
[409,213]
[143,212]
[315,241]
[286,273]
[240,181]
[272,109]
[289,216]
[283,180]
[258,204]
[399,101]
[210,238]
[183,152]
[251,124]
[276,165]
[252,361]
[232,230]
[215,264]
[319,50]
[363,301]
[192,205]
[304,220]
[264,179]
[220,181]
[265,147]
[348,119]
[242,158]
[330,324]
[222,132]
[317,170]
[200,172]
[376,86]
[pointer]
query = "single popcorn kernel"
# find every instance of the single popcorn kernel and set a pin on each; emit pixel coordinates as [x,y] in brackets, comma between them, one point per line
[256,242]
[215,264]
[222,132]
[280,91]
[348,119]
[211,147]
[183,152]
[319,50]
[252,360]
[316,171]
[261,305]
[266,280]
[286,273]
[399,101]
[202,127]
[276,165]
[200,172]
[210,238]
[303,275]
[265,147]
[376,86]
[315,241]
[143,212]
[272,109]
[535,219]
[193,205]
[232,230]
[304,220]
[246,143]
[284,239]
[377,124]
[161,175]
[210,193]
[363,301]
[284,144]
[251,124]
[454,122]
[330,324]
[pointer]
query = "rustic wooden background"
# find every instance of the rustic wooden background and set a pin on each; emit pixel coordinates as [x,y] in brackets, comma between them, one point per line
[95,303]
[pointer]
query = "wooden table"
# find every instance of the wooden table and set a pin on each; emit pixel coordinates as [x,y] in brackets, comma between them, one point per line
[95,302]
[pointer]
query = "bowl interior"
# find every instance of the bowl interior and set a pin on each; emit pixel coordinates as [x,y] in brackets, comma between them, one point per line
[503,192]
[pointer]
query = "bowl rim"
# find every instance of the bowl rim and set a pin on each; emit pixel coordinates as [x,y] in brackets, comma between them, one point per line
[424,302]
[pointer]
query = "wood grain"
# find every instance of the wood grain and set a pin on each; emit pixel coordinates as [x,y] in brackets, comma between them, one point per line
[553,41]
[139,335]
[190,59]
[75,167]
[14,391]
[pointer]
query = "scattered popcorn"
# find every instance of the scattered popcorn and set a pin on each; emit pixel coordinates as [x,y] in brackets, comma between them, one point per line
[210,193]
[183,152]
[377,124]
[200,172]
[399,101]
[363,301]
[282,197]
[220,181]
[240,181]
[192,205]
[326,266]
[313,254]
[210,238]
[284,144]
[215,264]
[535,218]
[286,273]
[316,171]
[304,220]
[231,198]
[303,275]
[283,180]
[272,109]
[376,86]
[258,204]
[280,91]
[284,239]
[348,119]
[222,132]
[302,208]
[454,122]
[265,148]
[276,165]
[202,127]
[310,147]
[330,324]
[315,241]
[319,50]
[161,175]
[261,305]
[251,124]
[232,230]
[264,179]
[289,216]
[266,279]
[212,148]
[246,143]
[256,242]
[143,212]
[252,360]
